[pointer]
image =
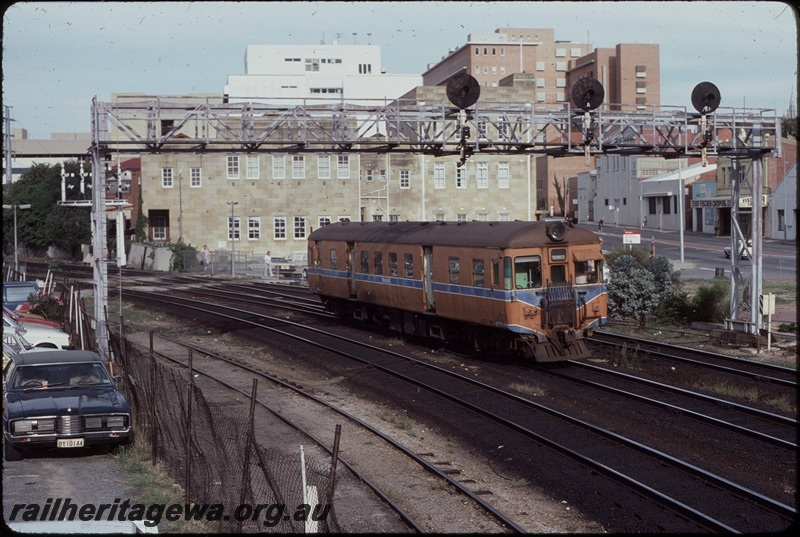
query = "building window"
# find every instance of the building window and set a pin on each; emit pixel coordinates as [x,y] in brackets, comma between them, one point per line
[298,167]
[461,217]
[641,87]
[299,227]
[439,217]
[234,225]
[494,51]
[252,167]
[575,52]
[502,69]
[477,69]
[365,68]
[483,217]
[781,220]
[485,69]
[324,221]
[561,82]
[438,175]
[278,167]
[483,175]
[641,71]
[195,177]
[502,51]
[343,167]
[504,217]
[502,175]
[540,66]
[561,66]
[394,218]
[312,64]
[485,51]
[561,52]
[279,228]
[368,175]
[461,177]
[166,178]
[253,228]
[159,223]
[405,179]
[477,51]
[540,96]
[494,69]
[233,167]
[377,218]
[324,167]
[540,82]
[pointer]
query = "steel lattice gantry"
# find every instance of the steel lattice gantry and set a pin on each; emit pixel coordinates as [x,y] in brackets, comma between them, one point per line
[185,124]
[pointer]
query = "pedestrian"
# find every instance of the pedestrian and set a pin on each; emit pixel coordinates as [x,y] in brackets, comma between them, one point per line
[716,228]
[645,222]
[205,255]
[268,265]
[601,224]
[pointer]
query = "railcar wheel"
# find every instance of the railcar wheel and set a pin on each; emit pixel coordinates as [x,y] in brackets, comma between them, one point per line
[526,349]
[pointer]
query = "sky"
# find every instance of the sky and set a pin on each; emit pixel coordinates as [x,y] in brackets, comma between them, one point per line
[58,56]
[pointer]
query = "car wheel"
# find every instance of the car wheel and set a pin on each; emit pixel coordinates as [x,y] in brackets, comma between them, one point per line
[12,453]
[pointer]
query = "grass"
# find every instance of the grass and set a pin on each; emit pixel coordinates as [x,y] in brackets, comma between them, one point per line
[157,486]
[400,420]
[528,388]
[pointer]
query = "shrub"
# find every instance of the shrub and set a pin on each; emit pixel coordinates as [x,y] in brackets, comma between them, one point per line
[711,302]
[48,306]
[675,308]
[178,249]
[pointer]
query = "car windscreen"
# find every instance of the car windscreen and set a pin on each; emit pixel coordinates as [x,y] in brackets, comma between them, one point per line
[43,376]
[19,293]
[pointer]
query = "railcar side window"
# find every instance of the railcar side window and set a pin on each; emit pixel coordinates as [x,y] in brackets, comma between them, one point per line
[453,268]
[508,271]
[495,272]
[528,272]
[558,273]
[409,264]
[587,271]
[333,258]
[477,273]
[364,262]
[378,263]
[392,264]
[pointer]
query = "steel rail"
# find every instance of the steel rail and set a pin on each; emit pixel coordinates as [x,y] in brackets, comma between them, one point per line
[685,411]
[679,507]
[698,363]
[416,458]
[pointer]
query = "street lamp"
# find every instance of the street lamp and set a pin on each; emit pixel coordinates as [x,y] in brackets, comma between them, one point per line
[231,230]
[15,207]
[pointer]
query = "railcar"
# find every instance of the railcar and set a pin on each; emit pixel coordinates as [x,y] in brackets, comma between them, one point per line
[535,288]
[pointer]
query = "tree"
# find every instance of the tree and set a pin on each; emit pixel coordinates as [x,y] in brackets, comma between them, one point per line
[559,195]
[789,127]
[46,223]
[632,290]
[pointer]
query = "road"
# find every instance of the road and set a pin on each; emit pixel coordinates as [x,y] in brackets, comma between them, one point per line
[703,254]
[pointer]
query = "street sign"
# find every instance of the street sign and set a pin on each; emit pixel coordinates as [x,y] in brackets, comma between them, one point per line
[632,236]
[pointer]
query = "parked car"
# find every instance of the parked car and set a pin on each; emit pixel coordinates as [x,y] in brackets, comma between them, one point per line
[29,318]
[298,264]
[744,251]
[280,266]
[61,399]
[15,295]
[38,336]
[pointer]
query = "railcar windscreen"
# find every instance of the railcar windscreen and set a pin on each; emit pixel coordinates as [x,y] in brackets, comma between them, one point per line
[528,272]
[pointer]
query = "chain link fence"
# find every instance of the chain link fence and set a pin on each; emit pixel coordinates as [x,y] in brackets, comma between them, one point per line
[211,450]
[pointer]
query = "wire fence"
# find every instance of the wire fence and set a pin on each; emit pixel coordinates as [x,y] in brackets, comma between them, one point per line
[210,449]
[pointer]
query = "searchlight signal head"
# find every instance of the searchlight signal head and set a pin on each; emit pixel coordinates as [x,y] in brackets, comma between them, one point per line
[463,90]
[588,94]
[705,97]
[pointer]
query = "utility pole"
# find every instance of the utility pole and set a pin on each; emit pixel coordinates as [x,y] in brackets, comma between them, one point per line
[8,144]
[16,249]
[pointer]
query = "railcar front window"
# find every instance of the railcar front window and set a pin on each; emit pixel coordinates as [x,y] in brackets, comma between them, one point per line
[587,271]
[528,272]
[558,273]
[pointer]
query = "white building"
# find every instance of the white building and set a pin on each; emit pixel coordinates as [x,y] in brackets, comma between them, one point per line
[782,211]
[287,74]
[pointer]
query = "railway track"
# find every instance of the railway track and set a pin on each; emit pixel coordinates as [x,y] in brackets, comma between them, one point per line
[565,434]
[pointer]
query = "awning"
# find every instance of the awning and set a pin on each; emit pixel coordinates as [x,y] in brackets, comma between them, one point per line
[584,255]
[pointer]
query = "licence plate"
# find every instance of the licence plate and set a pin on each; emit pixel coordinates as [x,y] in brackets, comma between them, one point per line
[69,442]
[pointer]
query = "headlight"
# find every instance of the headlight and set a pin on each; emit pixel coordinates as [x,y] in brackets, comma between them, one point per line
[94,423]
[115,421]
[35,426]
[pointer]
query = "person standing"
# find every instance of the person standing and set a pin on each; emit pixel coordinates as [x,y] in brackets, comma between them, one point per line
[205,255]
[601,224]
[268,265]
[716,228]
[645,222]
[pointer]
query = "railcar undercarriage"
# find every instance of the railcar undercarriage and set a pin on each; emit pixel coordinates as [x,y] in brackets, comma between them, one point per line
[565,345]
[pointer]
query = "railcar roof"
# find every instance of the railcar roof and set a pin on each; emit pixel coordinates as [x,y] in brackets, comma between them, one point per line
[517,234]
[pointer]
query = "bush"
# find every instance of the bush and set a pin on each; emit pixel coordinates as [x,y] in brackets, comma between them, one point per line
[48,306]
[178,249]
[711,303]
[675,309]
[632,290]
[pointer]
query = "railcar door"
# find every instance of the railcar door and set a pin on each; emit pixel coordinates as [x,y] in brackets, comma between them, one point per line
[350,267]
[427,270]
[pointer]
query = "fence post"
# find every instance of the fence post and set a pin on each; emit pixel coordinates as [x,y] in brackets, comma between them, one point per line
[246,471]
[334,461]
[189,432]
[153,426]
